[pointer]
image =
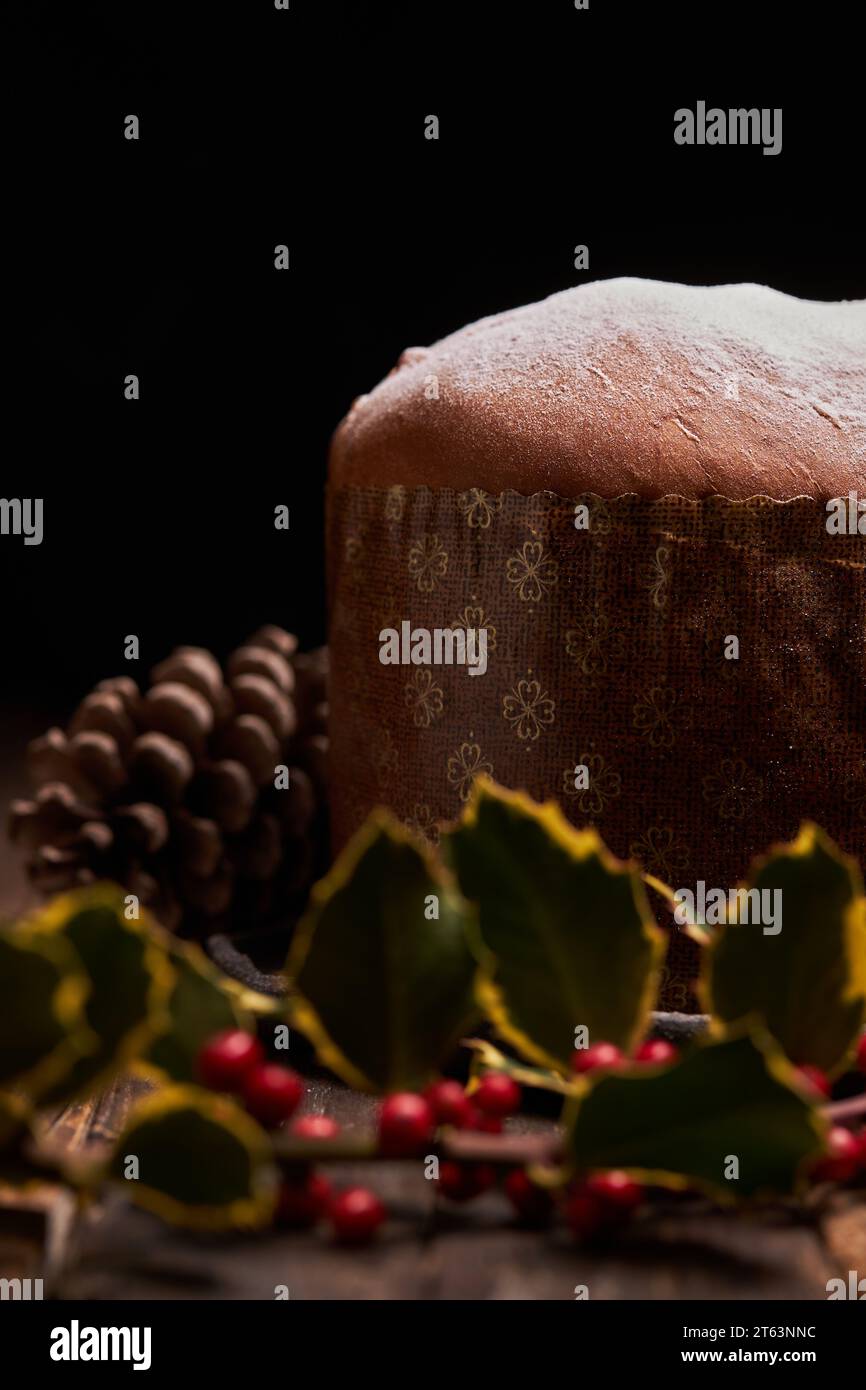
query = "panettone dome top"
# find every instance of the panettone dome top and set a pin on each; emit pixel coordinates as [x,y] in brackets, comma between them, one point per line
[626,385]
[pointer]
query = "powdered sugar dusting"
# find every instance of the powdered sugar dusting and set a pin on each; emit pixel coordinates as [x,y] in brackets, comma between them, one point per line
[595,385]
[599,373]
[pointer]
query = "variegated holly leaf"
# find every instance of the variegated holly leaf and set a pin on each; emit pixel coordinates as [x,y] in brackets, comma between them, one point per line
[805,981]
[43,1029]
[380,967]
[568,937]
[202,1002]
[196,1159]
[129,974]
[729,1118]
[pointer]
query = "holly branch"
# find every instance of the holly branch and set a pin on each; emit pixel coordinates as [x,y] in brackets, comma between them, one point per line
[516,922]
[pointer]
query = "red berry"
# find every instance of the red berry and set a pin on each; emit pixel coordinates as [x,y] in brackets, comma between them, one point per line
[356,1215]
[533,1204]
[315,1127]
[600,1055]
[617,1192]
[861,1053]
[223,1062]
[601,1201]
[460,1182]
[406,1124]
[585,1215]
[497,1094]
[272,1093]
[861,1148]
[657,1052]
[304,1201]
[841,1157]
[814,1079]
[450,1104]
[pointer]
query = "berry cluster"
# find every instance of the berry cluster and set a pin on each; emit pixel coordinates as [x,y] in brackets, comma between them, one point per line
[234,1061]
[606,1056]
[592,1206]
[407,1123]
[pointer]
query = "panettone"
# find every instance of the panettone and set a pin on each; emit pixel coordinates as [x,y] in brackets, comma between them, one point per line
[626,487]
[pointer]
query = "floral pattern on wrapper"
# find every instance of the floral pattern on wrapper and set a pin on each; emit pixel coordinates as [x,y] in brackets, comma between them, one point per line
[608,645]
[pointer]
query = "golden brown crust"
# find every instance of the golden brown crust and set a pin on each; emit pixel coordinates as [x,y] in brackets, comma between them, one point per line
[626,386]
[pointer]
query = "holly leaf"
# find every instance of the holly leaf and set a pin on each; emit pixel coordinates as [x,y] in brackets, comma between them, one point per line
[201,1003]
[129,974]
[807,982]
[380,965]
[684,1125]
[196,1159]
[486,1057]
[568,938]
[43,1030]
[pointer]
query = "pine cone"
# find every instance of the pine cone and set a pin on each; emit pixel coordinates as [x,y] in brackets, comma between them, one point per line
[174,792]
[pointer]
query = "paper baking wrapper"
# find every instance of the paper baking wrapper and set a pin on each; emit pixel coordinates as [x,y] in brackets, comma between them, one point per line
[606,648]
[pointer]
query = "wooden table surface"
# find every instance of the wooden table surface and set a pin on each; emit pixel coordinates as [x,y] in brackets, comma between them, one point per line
[679,1248]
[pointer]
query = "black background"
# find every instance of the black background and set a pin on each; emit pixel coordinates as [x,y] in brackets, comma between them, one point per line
[307,127]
